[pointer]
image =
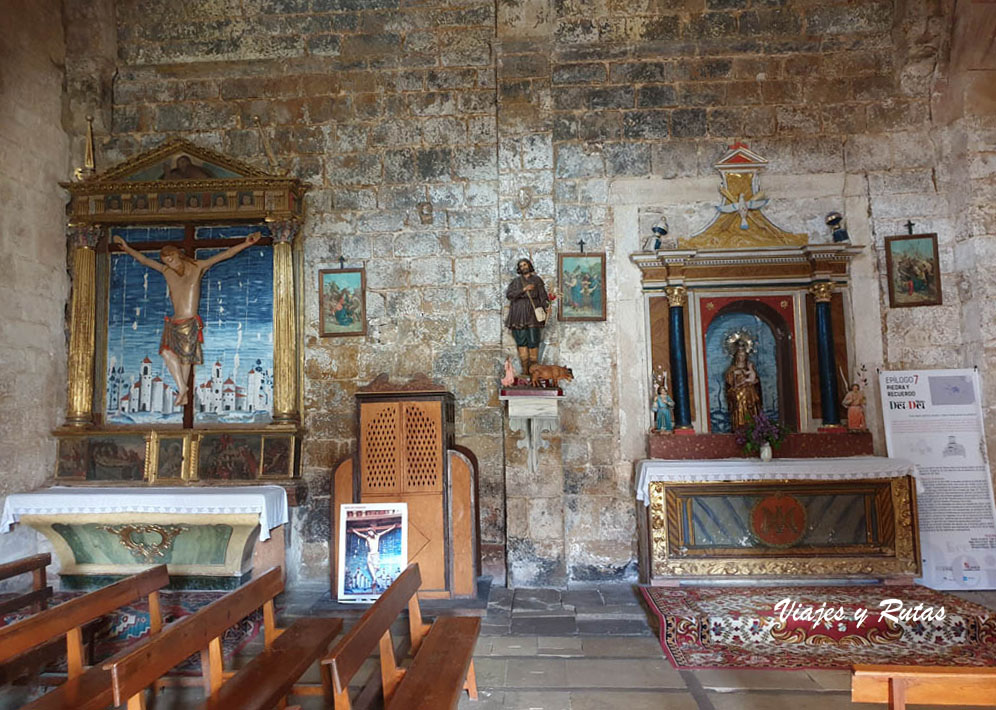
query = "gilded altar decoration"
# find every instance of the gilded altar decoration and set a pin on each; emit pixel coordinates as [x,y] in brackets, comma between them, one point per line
[739,221]
[761,528]
[141,539]
[158,340]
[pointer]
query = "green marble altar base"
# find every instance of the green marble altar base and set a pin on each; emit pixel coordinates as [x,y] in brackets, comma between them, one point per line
[88,583]
[202,551]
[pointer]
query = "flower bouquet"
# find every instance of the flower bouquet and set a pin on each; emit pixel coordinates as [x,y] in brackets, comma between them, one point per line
[760,432]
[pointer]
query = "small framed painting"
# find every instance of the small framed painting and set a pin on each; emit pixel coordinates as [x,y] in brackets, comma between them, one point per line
[342,302]
[373,549]
[914,270]
[582,286]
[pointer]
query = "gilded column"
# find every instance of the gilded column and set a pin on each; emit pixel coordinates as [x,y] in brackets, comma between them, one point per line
[822,292]
[79,408]
[677,297]
[284,322]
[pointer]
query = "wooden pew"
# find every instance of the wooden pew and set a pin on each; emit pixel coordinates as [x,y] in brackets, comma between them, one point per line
[40,592]
[262,684]
[84,687]
[923,685]
[442,665]
[28,664]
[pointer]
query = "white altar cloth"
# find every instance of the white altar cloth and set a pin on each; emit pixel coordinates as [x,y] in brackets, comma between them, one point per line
[829,469]
[270,502]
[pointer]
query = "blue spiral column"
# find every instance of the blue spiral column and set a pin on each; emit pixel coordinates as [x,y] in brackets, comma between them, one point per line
[822,292]
[677,298]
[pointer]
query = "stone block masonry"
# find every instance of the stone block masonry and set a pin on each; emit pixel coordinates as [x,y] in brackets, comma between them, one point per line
[515,121]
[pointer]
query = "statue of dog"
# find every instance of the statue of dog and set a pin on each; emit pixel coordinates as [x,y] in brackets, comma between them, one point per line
[551,374]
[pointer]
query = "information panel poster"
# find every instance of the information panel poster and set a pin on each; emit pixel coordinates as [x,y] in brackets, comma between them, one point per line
[934,419]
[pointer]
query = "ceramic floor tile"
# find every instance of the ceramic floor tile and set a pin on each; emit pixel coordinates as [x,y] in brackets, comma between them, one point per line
[536,673]
[622,673]
[755,680]
[633,700]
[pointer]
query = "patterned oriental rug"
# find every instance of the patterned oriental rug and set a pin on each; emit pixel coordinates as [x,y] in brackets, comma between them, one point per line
[818,627]
[130,623]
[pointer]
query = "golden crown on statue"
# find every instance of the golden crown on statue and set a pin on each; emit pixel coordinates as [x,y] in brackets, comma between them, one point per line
[740,339]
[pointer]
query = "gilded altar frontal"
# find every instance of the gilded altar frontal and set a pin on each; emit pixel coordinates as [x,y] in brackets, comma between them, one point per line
[279,244]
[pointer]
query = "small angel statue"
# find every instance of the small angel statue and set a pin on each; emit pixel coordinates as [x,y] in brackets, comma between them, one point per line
[663,409]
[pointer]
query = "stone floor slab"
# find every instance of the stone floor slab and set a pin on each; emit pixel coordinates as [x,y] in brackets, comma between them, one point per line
[544,626]
[513,646]
[613,627]
[633,700]
[536,673]
[549,700]
[595,646]
[831,680]
[797,701]
[559,646]
[641,673]
[755,680]
[491,672]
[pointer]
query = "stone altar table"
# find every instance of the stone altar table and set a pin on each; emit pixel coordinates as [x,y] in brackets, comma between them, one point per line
[205,535]
[849,517]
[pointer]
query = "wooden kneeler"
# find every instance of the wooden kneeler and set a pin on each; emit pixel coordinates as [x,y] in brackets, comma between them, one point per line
[442,664]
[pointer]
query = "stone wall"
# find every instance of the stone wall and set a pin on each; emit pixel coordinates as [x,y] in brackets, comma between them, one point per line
[34,285]
[532,126]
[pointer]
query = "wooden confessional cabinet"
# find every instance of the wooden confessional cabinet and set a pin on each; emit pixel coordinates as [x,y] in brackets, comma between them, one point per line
[406,454]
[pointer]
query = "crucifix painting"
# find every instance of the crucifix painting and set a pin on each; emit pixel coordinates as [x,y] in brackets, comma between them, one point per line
[201,299]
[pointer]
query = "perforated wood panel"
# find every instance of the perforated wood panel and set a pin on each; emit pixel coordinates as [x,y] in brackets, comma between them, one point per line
[423,447]
[380,458]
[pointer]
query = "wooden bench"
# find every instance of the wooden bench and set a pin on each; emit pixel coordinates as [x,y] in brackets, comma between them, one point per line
[923,685]
[442,663]
[84,687]
[40,591]
[26,665]
[262,684]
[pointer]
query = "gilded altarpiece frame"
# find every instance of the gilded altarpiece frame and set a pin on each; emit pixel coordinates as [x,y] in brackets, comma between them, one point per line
[886,520]
[185,188]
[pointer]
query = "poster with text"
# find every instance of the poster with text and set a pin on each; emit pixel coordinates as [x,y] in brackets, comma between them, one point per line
[934,419]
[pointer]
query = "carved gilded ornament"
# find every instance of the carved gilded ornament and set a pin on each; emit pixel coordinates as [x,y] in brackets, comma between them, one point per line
[677,296]
[144,550]
[822,291]
[284,231]
[902,559]
[84,236]
[739,221]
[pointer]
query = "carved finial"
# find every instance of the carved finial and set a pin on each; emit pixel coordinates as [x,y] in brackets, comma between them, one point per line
[89,166]
[271,159]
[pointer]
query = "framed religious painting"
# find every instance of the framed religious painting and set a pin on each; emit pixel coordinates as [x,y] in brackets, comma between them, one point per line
[582,286]
[914,270]
[342,302]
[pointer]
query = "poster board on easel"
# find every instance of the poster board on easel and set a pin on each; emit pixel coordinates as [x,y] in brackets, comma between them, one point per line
[373,549]
[934,418]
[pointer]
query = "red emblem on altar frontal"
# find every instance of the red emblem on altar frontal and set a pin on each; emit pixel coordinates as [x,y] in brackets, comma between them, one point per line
[778,520]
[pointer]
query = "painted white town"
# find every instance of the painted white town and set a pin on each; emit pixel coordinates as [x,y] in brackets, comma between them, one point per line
[151,393]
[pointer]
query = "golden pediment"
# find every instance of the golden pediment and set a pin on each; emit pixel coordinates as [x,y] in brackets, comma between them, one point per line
[182,181]
[739,222]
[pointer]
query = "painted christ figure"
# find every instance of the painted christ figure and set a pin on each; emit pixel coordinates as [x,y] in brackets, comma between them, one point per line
[180,346]
[372,537]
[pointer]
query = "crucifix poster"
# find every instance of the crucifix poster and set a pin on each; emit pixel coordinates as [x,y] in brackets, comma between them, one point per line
[373,549]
